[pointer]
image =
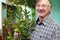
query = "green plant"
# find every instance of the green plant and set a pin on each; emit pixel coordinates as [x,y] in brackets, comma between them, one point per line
[20,22]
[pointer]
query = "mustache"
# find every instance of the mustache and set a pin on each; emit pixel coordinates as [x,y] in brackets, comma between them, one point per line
[40,10]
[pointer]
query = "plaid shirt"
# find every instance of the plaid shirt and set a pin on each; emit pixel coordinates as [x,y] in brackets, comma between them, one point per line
[46,30]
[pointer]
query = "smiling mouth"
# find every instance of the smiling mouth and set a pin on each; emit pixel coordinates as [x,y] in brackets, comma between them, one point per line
[41,10]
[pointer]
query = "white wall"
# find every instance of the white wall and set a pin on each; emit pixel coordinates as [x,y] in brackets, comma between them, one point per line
[3,1]
[0,15]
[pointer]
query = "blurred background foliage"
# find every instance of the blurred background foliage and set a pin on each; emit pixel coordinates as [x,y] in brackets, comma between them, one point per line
[18,22]
[29,3]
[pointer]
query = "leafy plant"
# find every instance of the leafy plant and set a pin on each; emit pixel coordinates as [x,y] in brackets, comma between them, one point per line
[29,3]
[18,22]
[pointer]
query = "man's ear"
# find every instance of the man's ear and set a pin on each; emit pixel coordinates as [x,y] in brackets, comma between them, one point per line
[50,9]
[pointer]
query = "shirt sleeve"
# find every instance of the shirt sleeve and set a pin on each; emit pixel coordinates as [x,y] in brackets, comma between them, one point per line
[57,34]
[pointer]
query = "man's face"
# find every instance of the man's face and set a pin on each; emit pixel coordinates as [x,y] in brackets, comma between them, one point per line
[43,8]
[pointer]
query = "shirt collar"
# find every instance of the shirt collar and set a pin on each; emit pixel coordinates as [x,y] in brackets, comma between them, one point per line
[46,21]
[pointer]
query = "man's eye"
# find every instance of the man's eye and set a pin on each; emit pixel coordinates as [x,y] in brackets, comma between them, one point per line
[37,5]
[43,5]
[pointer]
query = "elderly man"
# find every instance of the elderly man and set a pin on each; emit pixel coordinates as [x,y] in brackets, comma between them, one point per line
[45,28]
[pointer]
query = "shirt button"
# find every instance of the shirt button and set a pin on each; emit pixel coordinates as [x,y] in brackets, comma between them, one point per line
[40,36]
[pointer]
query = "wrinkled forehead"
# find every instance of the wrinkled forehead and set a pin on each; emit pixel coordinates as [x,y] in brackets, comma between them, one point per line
[45,2]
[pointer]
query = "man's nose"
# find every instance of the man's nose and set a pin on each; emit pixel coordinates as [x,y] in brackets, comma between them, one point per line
[41,7]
